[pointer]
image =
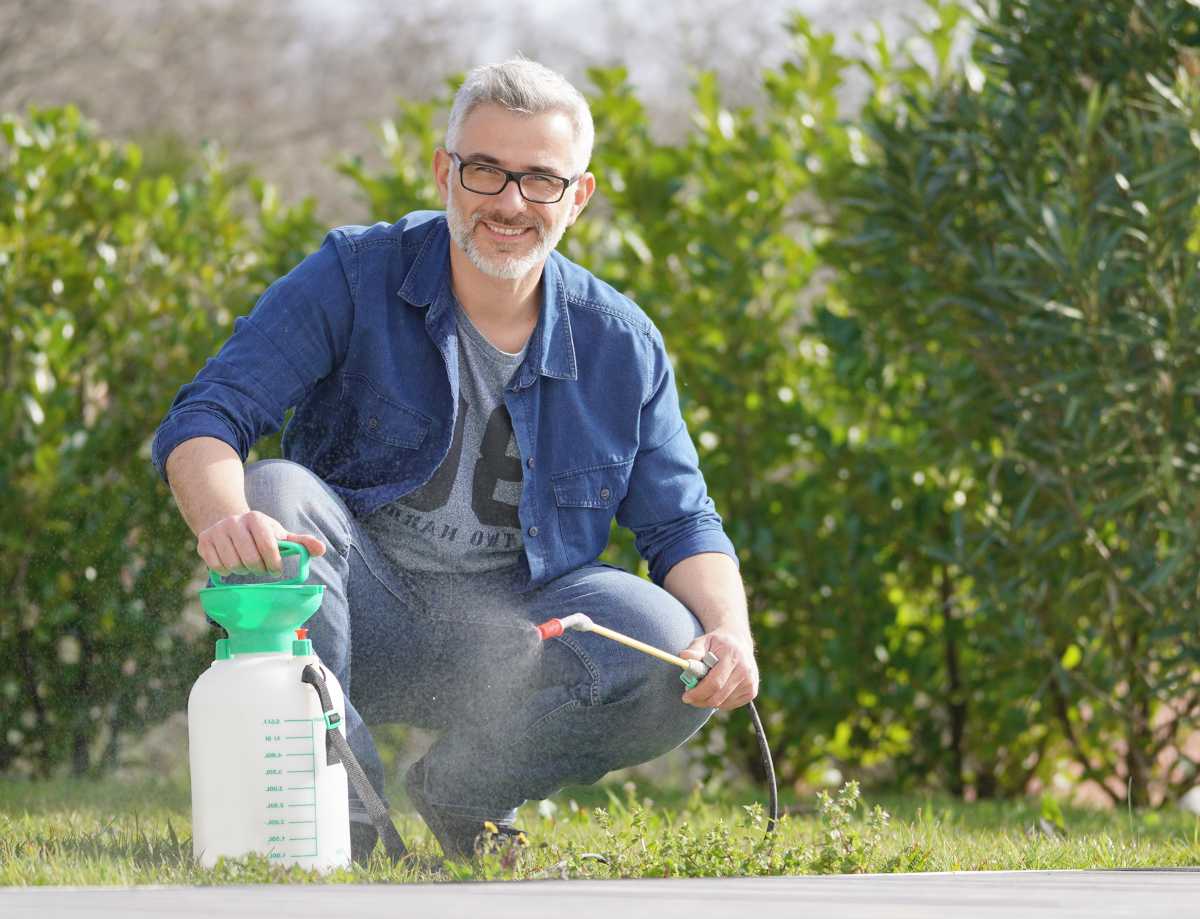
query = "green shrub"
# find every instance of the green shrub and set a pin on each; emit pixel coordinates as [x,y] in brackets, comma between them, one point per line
[115,284]
[1018,254]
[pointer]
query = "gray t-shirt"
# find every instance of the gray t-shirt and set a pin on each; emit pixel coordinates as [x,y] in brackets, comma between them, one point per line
[465,517]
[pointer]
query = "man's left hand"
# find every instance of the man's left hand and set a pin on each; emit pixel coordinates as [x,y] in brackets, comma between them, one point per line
[733,681]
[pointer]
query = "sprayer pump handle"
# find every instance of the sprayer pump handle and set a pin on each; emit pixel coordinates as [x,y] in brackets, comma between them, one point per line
[286,548]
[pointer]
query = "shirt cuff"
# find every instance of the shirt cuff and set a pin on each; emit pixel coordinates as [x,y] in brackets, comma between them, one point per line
[709,539]
[184,425]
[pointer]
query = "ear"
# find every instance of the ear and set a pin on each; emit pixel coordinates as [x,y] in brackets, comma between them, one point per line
[584,188]
[442,164]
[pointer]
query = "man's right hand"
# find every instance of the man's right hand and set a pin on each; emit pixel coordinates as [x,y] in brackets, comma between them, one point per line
[249,544]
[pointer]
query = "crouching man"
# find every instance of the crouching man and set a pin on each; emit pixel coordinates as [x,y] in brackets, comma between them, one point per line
[471,410]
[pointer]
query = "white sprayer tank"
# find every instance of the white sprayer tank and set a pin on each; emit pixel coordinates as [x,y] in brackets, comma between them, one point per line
[260,782]
[257,745]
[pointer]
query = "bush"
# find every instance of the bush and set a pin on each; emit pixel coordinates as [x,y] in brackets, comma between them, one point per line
[1019,255]
[115,284]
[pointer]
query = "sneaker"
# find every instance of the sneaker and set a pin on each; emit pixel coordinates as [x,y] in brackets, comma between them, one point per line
[463,838]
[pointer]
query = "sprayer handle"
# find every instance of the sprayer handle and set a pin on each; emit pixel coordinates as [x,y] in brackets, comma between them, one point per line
[286,548]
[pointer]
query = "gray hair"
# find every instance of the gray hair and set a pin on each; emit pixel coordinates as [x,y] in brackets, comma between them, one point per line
[526,87]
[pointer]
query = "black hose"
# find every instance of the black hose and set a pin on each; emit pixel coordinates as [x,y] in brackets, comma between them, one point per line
[768,767]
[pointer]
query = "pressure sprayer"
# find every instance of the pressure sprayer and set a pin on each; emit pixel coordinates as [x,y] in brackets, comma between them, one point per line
[693,672]
[268,755]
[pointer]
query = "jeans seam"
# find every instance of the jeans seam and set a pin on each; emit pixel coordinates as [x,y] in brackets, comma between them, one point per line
[589,665]
[384,582]
[570,704]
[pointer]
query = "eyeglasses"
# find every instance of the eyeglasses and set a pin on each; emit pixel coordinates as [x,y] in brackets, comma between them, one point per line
[535,187]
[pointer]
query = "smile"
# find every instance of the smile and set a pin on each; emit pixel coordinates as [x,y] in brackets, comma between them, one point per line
[508,232]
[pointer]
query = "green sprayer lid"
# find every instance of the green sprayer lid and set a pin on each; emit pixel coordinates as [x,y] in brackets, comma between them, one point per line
[263,616]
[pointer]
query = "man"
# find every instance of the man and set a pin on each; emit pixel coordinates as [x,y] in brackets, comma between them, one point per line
[471,410]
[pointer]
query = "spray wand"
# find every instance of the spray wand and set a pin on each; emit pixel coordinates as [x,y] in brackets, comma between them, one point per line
[693,672]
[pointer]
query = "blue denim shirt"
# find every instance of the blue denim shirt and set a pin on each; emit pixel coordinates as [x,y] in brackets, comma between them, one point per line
[360,338]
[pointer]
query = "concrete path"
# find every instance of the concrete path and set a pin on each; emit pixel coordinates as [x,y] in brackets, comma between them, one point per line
[979,895]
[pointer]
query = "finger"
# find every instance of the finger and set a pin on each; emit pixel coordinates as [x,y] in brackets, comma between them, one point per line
[311,543]
[732,704]
[206,550]
[226,553]
[696,649]
[711,690]
[247,551]
[720,698]
[738,698]
[265,542]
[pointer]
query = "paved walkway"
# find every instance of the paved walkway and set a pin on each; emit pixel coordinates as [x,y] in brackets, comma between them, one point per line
[979,895]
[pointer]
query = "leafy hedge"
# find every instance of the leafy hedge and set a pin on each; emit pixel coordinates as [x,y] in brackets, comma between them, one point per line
[115,283]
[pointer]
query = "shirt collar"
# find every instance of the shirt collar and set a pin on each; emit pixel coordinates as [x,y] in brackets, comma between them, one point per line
[551,349]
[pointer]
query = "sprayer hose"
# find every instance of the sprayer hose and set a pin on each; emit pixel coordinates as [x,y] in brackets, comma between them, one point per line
[768,768]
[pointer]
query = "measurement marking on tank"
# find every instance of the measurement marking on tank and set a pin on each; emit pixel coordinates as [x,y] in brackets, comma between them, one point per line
[292,771]
[272,755]
[314,804]
[275,823]
[274,772]
[300,838]
[296,737]
[302,788]
[299,754]
[302,821]
[270,721]
[274,788]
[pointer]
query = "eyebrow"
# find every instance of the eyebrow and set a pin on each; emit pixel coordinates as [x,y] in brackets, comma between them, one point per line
[491,160]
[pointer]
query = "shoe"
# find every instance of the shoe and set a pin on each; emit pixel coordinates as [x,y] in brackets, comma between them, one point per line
[463,838]
[363,837]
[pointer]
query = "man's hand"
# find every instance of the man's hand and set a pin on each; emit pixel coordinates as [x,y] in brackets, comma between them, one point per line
[249,544]
[734,680]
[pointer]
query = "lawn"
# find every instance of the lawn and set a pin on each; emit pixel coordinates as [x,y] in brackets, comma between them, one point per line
[107,832]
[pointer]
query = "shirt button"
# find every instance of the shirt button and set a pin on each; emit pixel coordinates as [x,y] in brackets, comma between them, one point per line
[604,493]
[533,531]
[529,462]
[373,423]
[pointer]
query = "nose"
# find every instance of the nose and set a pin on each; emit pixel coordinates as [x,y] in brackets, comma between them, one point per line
[511,197]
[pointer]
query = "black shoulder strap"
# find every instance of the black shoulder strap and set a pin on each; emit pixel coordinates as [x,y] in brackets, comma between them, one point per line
[337,750]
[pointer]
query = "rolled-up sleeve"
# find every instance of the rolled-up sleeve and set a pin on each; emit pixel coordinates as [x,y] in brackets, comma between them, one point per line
[667,505]
[295,336]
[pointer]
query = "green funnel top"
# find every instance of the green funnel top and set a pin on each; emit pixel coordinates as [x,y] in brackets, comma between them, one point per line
[264,616]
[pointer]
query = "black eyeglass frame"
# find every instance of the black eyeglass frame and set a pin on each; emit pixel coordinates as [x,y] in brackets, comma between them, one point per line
[510,176]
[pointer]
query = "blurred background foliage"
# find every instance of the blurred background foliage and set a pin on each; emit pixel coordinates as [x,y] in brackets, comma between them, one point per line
[936,355]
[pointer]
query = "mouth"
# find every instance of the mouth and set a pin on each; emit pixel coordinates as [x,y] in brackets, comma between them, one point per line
[503,232]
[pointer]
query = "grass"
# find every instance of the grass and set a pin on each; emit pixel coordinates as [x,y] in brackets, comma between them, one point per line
[106,832]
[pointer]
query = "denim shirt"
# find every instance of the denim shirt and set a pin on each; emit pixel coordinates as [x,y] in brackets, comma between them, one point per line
[360,339]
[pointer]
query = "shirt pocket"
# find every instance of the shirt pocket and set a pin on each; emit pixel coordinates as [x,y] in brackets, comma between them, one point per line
[378,440]
[382,419]
[586,500]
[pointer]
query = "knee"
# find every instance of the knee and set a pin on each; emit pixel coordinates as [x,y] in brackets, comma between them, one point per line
[273,485]
[284,490]
[622,672]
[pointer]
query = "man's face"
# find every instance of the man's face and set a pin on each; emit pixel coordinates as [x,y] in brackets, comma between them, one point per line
[504,235]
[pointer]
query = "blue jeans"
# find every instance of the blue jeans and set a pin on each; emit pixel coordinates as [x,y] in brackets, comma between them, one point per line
[517,718]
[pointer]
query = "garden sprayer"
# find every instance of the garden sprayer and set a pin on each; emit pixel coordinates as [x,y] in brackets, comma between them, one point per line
[268,755]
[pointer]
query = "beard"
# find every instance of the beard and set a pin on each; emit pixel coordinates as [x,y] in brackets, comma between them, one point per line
[505,266]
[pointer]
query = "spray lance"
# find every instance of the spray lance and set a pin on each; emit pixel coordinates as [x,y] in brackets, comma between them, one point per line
[693,672]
